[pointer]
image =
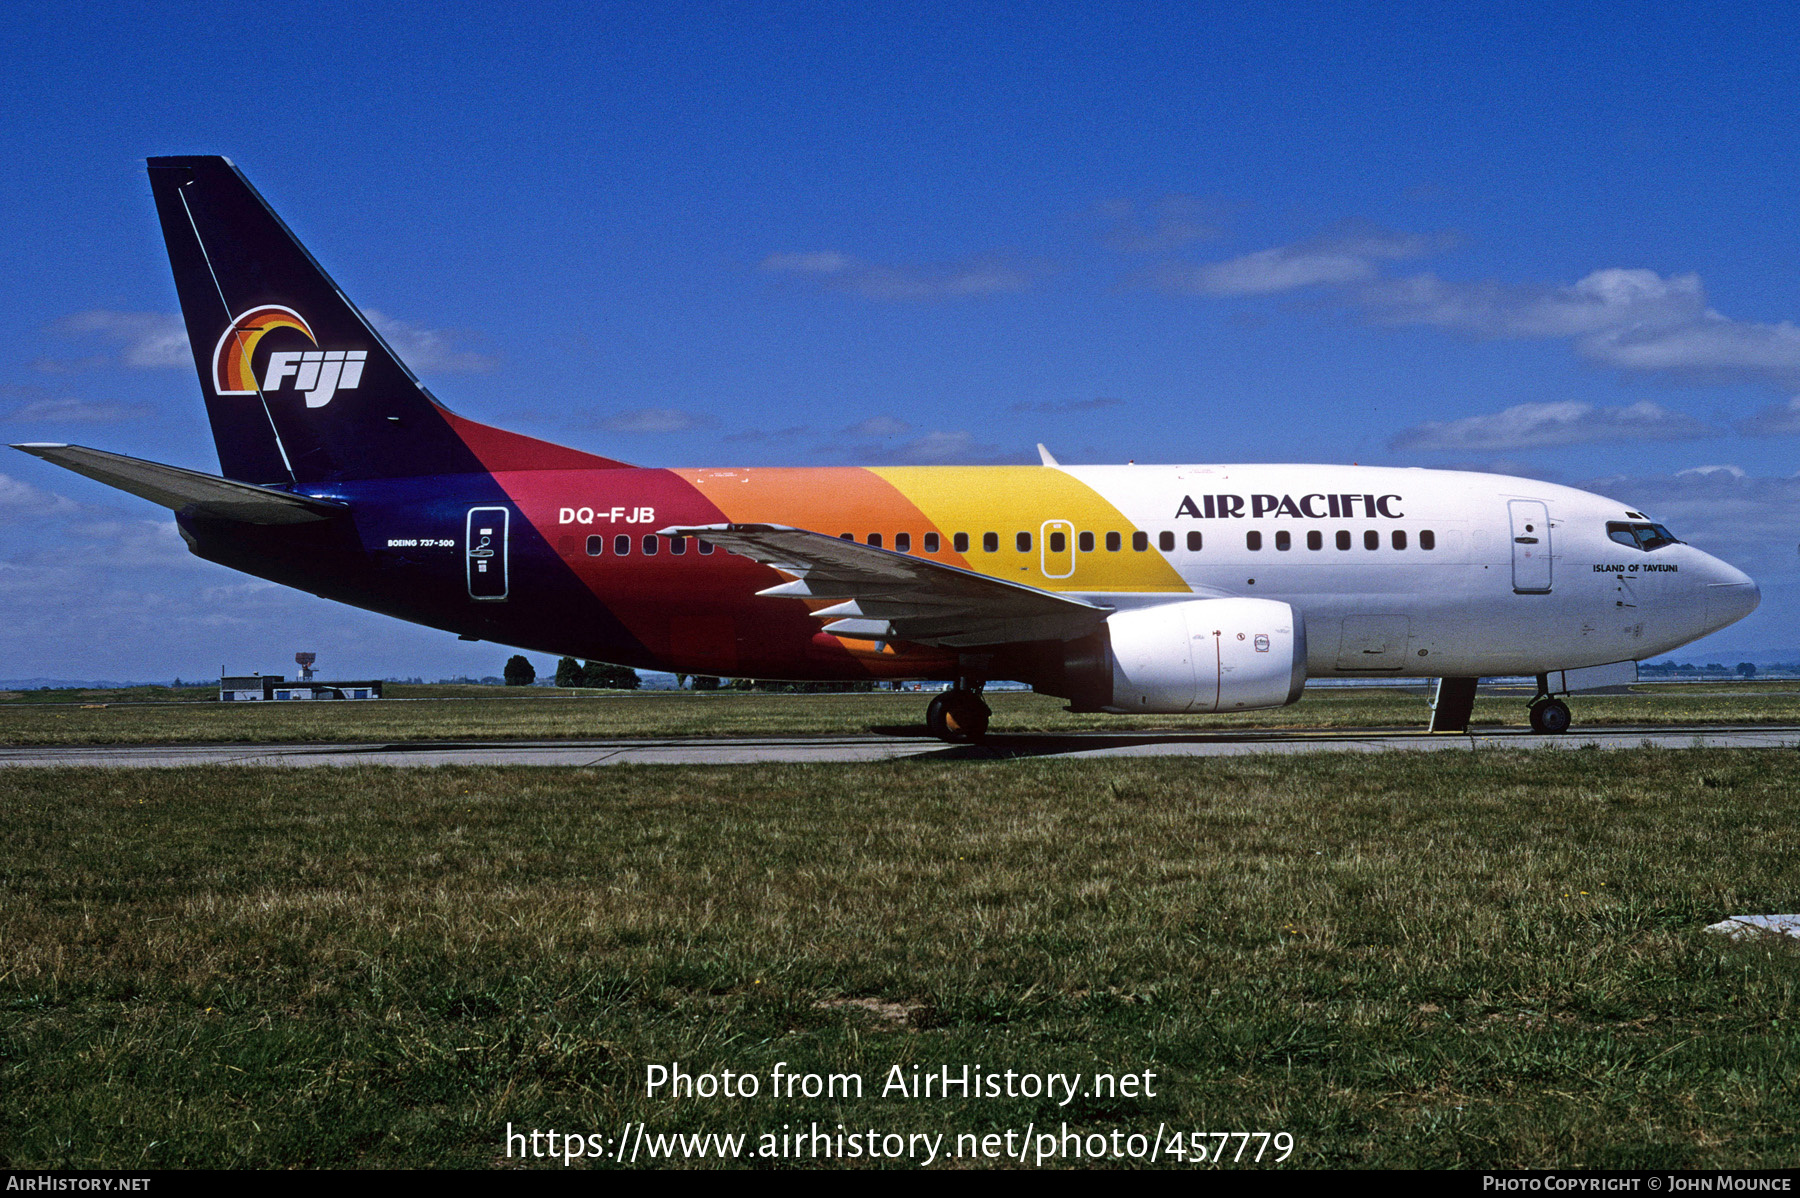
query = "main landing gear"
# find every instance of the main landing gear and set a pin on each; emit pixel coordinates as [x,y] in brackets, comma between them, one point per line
[958,715]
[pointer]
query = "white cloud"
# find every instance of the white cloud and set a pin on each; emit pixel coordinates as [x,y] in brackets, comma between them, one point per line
[653,420]
[1708,471]
[145,340]
[1631,319]
[987,274]
[1159,226]
[1605,301]
[824,262]
[427,349]
[1634,320]
[1534,425]
[879,426]
[23,499]
[1349,255]
[75,411]
[1777,420]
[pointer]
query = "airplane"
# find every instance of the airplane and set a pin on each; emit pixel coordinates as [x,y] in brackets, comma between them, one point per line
[1124,589]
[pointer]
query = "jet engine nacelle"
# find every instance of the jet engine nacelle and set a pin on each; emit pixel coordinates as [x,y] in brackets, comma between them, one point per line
[1201,655]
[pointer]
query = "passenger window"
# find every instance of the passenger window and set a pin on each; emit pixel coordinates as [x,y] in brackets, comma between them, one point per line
[1193,542]
[846,536]
[990,542]
[1371,539]
[1427,539]
[596,546]
[931,542]
[1343,539]
[1315,540]
[705,546]
[903,542]
[1283,541]
[1113,542]
[875,540]
[1059,542]
[649,544]
[1165,541]
[678,545]
[1140,541]
[961,541]
[621,545]
[1022,541]
[1253,540]
[1086,541]
[1399,539]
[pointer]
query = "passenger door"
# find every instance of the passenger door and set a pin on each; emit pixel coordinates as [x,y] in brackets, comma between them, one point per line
[1531,558]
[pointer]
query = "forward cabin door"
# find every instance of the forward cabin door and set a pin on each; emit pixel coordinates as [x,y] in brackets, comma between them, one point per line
[1530,546]
[484,552]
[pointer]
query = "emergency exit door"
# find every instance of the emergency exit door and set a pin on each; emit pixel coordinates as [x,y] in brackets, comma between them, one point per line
[1530,546]
[484,552]
[1058,540]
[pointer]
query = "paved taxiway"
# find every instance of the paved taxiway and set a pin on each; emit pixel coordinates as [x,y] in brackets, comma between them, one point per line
[705,751]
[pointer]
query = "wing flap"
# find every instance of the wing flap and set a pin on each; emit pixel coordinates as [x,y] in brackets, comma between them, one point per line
[880,594]
[187,490]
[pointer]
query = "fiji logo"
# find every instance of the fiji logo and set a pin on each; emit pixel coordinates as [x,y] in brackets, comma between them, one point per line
[317,374]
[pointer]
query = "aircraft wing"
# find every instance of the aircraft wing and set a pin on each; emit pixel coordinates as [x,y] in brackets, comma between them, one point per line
[883,595]
[187,490]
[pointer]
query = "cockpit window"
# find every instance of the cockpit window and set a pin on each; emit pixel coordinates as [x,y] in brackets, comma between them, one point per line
[1640,536]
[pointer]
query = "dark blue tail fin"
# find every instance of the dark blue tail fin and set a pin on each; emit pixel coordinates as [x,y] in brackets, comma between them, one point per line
[299,387]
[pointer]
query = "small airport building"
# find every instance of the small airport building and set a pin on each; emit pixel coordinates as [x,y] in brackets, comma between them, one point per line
[274,688]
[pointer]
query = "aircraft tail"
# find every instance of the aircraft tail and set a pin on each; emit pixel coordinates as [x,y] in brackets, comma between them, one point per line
[299,386]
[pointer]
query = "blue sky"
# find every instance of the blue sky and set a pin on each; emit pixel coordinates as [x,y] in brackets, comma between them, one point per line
[1538,239]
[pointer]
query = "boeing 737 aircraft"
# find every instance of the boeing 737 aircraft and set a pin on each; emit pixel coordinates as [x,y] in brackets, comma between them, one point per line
[1120,588]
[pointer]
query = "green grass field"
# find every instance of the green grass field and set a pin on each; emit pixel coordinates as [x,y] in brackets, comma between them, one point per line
[490,713]
[1416,960]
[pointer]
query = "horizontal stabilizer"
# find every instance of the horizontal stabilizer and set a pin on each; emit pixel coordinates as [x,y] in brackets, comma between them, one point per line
[886,595]
[187,490]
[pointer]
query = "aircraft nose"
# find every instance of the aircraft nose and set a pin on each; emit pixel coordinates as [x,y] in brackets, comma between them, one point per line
[1731,594]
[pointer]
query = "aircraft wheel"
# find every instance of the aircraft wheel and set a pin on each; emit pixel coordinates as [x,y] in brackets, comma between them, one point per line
[934,717]
[957,716]
[1550,715]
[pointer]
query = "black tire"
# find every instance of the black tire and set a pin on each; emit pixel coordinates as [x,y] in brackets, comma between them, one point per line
[956,716]
[1550,716]
[966,717]
[934,717]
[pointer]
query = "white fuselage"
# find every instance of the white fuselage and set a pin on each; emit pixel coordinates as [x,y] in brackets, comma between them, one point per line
[1520,577]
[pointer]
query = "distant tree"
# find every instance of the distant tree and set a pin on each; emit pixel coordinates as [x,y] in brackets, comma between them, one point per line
[1746,669]
[568,672]
[608,677]
[705,682]
[520,672]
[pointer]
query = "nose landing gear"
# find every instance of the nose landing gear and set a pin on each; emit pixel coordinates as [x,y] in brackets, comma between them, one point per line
[1548,713]
[958,716]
